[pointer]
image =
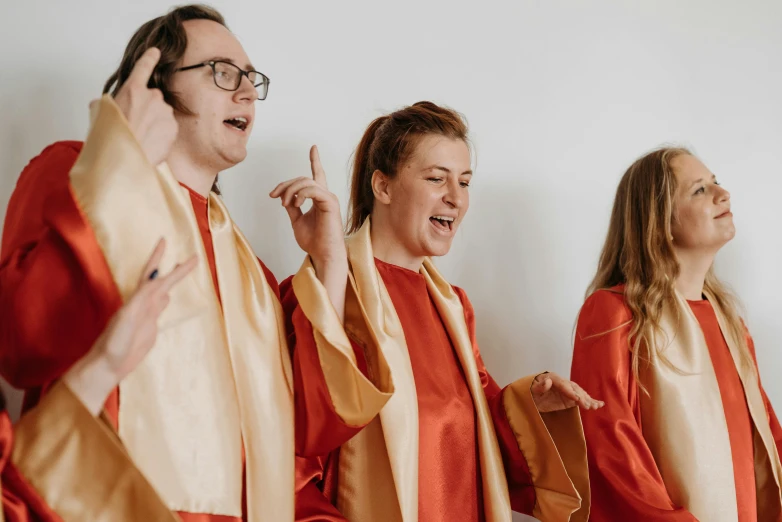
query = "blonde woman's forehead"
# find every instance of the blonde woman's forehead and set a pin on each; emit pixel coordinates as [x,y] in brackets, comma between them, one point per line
[689,169]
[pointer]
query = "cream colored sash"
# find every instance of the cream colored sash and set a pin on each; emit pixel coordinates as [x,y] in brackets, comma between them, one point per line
[78,466]
[386,452]
[217,376]
[356,398]
[684,423]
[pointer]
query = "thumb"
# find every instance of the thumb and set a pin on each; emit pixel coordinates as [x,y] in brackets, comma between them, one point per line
[541,387]
[294,213]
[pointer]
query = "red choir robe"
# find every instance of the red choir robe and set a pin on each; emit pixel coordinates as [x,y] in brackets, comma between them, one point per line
[56,289]
[625,479]
[303,341]
[21,502]
[448,463]
[59,464]
[56,285]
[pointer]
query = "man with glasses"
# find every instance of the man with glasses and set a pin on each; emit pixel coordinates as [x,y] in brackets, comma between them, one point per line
[209,416]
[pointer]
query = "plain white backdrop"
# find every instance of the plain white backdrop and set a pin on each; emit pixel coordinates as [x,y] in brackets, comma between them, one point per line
[561,96]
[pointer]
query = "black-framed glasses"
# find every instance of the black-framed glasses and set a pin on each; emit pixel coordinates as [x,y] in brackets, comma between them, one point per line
[228,76]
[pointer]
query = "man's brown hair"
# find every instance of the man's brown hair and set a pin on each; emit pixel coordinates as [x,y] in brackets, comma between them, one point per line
[167,33]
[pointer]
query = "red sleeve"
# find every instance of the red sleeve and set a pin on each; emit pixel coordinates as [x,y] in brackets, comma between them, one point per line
[56,290]
[522,492]
[312,505]
[624,479]
[319,429]
[776,429]
[20,501]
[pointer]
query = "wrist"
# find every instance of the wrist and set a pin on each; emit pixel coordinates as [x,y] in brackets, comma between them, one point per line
[329,263]
[91,381]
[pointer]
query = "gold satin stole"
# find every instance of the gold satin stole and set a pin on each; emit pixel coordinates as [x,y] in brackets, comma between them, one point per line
[378,468]
[78,466]
[684,423]
[218,376]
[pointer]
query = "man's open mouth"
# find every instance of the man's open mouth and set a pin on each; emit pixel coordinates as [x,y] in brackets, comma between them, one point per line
[239,123]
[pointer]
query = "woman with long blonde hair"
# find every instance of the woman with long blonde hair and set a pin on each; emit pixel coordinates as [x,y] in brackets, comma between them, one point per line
[687,432]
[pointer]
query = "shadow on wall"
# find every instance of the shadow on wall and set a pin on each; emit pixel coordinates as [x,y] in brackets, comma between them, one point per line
[731,265]
[262,219]
[36,113]
[509,260]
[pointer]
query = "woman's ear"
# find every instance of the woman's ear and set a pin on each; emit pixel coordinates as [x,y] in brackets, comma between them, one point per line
[381,187]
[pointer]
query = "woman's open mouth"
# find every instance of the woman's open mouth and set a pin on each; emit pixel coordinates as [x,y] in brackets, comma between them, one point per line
[443,223]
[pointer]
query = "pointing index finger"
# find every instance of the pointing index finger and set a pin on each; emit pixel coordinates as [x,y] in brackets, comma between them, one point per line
[144,67]
[318,174]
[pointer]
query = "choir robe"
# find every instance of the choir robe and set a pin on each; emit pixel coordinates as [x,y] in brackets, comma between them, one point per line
[626,481]
[60,464]
[449,472]
[40,255]
[57,292]
[307,363]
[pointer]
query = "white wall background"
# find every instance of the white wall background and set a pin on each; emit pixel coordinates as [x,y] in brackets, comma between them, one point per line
[560,95]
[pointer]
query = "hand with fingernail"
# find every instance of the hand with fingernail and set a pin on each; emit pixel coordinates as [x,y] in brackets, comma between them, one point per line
[318,231]
[150,118]
[552,393]
[129,336]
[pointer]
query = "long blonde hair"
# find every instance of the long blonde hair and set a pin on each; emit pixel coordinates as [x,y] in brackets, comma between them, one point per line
[639,252]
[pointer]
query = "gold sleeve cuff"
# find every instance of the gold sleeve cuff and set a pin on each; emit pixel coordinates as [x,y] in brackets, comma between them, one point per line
[78,466]
[356,398]
[554,448]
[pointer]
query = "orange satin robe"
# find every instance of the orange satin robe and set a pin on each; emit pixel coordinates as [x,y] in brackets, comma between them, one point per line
[734,404]
[449,472]
[625,481]
[21,503]
[56,289]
